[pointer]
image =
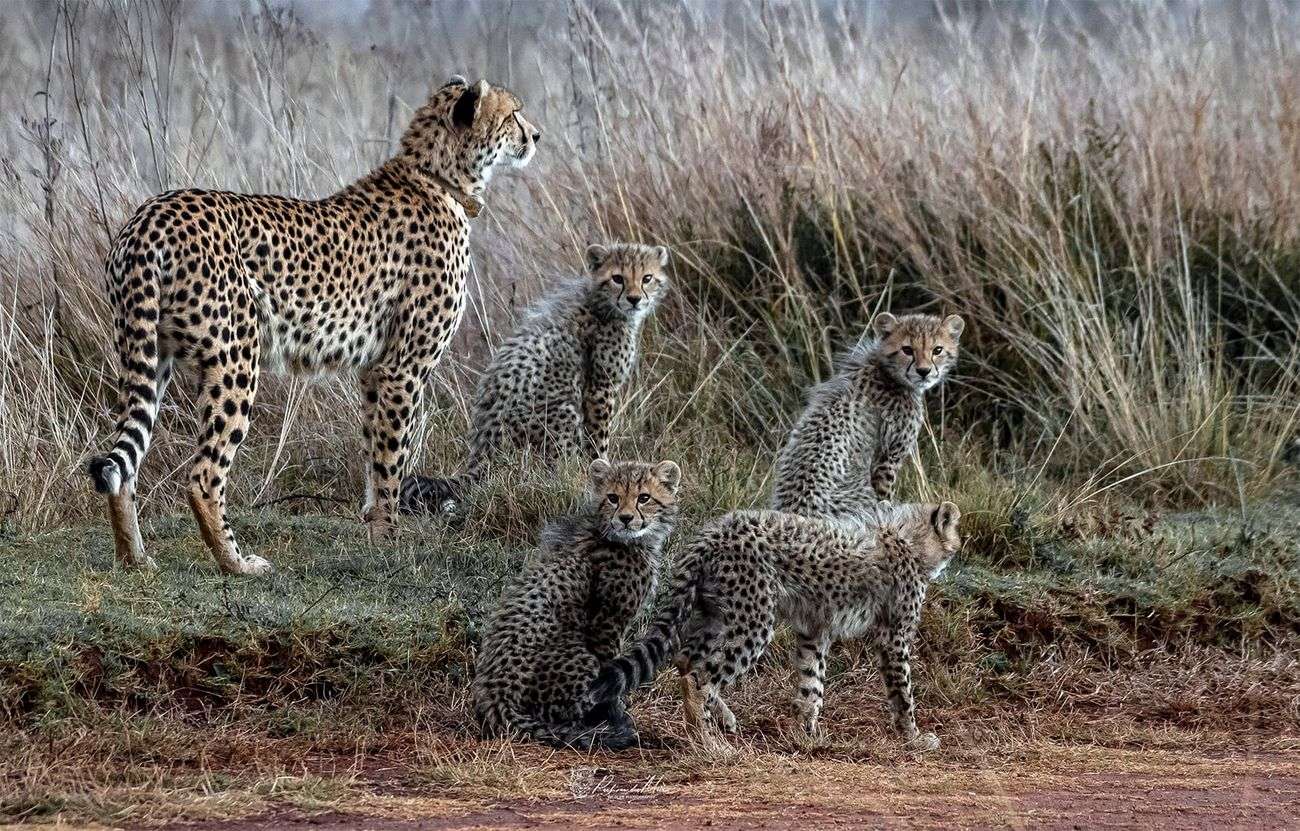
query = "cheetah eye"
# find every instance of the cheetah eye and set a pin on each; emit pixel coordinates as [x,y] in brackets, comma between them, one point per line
[647,278]
[613,498]
[907,350]
[938,350]
[643,498]
[617,278]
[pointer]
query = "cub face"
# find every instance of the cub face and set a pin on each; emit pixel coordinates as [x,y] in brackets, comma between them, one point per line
[633,498]
[918,350]
[631,277]
[938,539]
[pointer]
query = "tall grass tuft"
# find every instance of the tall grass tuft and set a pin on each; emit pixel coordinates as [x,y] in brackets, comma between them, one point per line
[1110,195]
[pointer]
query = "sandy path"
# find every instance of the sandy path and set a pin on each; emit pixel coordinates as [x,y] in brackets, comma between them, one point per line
[1078,788]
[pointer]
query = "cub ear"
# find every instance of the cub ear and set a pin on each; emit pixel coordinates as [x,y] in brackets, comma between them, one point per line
[455,80]
[598,470]
[884,324]
[465,111]
[944,519]
[596,255]
[662,253]
[954,325]
[670,474]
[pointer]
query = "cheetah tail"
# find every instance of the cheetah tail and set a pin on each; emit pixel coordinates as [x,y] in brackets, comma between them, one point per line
[582,737]
[501,720]
[428,495]
[639,665]
[143,376]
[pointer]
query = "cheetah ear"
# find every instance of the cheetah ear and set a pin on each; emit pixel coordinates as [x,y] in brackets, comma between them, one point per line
[467,106]
[670,474]
[596,255]
[455,80]
[884,324]
[944,519]
[954,325]
[598,470]
[662,253]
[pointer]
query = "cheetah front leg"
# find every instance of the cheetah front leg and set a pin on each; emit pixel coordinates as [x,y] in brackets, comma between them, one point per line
[896,670]
[597,412]
[392,398]
[896,441]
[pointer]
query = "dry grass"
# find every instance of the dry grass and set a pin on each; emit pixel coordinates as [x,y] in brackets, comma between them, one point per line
[121,769]
[340,682]
[1110,199]
[1110,195]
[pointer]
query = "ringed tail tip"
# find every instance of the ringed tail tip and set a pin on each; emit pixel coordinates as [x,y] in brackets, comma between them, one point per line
[106,474]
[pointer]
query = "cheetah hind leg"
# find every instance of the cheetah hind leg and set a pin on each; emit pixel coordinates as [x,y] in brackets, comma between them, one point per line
[221,435]
[703,709]
[811,689]
[692,704]
[126,530]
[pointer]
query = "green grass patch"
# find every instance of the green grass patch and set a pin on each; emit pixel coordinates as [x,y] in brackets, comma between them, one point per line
[350,623]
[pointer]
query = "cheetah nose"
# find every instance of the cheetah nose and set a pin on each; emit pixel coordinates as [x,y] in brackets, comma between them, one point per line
[627,518]
[537,136]
[633,301]
[923,371]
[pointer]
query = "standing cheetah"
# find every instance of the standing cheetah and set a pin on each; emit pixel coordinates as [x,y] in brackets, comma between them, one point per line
[552,385]
[369,280]
[570,610]
[829,579]
[846,448]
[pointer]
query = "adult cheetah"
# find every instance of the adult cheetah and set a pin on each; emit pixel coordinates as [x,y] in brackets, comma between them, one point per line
[369,280]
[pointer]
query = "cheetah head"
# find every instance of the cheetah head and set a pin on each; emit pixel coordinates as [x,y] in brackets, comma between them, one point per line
[629,278]
[466,130]
[935,535]
[918,350]
[634,499]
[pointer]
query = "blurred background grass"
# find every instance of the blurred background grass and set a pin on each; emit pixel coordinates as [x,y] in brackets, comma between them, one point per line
[1106,191]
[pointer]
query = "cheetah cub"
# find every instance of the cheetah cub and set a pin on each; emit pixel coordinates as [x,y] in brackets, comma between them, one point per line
[828,579]
[552,385]
[568,612]
[860,425]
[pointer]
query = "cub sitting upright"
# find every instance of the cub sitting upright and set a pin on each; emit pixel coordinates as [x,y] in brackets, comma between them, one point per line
[845,450]
[568,612]
[828,578]
[552,385]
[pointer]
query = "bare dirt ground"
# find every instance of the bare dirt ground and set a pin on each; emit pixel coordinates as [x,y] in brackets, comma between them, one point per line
[1043,787]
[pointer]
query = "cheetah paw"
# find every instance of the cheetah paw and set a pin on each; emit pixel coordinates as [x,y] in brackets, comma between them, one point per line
[142,562]
[380,530]
[251,564]
[923,743]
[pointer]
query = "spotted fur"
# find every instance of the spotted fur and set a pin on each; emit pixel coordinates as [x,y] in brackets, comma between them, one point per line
[569,611]
[828,579]
[845,450]
[553,385]
[370,280]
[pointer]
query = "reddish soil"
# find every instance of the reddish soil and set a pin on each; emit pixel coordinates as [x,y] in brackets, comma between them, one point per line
[1214,794]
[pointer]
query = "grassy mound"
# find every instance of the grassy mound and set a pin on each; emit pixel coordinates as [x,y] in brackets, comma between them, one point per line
[357,624]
